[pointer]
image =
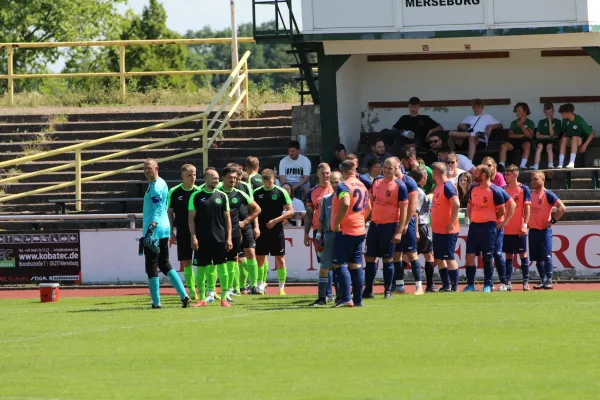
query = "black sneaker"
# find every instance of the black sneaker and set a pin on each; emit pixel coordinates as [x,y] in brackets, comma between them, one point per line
[387,296]
[185,303]
[319,303]
[255,291]
[157,307]
[444,290]
[431,289]
[540,285]
[454,289]
[368,295]
[500,168]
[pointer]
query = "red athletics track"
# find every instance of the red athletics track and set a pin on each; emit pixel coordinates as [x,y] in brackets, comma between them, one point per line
[290,290]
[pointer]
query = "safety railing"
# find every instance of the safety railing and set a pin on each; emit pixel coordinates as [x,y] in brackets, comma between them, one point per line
[232,92]
[10,48]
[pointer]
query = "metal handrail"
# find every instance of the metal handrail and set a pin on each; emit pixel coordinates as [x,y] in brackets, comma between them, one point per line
[236,78]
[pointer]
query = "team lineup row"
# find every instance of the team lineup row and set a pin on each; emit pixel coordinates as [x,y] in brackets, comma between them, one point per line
[227,229]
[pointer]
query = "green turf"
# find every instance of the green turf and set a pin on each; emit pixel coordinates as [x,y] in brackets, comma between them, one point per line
[440,346]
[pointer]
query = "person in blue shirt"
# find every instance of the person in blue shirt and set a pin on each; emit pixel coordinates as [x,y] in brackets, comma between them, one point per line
[156,237]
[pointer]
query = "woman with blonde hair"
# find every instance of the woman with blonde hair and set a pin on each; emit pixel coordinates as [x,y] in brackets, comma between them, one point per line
[496,178]
[452,168]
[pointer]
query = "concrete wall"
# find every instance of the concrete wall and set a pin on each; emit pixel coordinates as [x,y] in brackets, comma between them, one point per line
[525,76]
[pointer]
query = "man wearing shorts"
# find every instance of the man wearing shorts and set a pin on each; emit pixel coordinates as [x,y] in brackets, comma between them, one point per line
[324,239]
[389,202]
[242,211]
[177,203]
[424,238]
[515,232]
[540,227]
[445,227]
[408,244]
[501,222]
[349,210]
[276,207]
[486,205]
[210,227]
[156,238]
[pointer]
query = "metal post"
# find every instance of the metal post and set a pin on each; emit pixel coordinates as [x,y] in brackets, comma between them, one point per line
[78,180]
[204,143]
[122,72]
[234,42]
[247,98]
[11,82]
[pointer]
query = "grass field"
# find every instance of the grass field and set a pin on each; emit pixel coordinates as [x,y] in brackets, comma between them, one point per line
[441,346]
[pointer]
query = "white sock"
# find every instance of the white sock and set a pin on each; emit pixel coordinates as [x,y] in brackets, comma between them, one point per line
[536,166]
[561,159]
[572,159]
[419,285]
[551,165]
[211,293]
[523,162]
[400,282]
[281,285]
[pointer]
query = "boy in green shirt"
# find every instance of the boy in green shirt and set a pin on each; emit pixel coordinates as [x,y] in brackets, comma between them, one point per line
[577,135]
[520,135]
[547,134]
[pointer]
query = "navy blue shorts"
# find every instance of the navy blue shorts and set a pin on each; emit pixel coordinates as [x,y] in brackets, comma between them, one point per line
[540,244]
[514,244]
[444,246]
[408,244]
[347,249]
[482,238]
[379,240]
[499,242]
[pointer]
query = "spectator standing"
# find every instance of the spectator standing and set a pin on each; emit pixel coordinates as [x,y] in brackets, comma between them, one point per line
[415,128]
[464,182]
[520,135]
[547,134]
[340,156]
[295,170]
[377,152]
[453,172]
[577,135]
[476,129]
[495,177]
[375,170]
[463,161]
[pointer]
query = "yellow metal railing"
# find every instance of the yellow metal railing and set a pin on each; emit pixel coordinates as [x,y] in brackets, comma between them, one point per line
[232,92]
[10,76]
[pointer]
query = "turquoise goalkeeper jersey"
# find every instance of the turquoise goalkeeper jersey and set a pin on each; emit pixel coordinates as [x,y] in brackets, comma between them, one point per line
[155,208]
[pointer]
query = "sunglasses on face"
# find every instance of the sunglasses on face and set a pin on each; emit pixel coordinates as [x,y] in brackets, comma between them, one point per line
[434,141]
[450,162]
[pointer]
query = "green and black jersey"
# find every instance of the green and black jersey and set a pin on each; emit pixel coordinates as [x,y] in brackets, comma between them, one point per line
[210,219]
[271,202]
[179,199]
[238,201]
[255,180]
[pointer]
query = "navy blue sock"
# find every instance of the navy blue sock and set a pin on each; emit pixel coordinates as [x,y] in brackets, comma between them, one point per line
[549,270]
[370,272]
[416,270]
[322,288]
[358,282]
[388,276]
[399,270]
[453,278]
[344,282]
[525,269]
[329,292]
[541,267]
[509,269]
[501,267]
[488,273]
[471,271]
[445,278]
[429,269]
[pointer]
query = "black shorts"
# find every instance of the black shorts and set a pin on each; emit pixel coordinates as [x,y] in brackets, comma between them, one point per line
[236,249]
[210,252]
[248,241]
[425,243]
[518,143]
[270,243]
[184,246]
[158,261]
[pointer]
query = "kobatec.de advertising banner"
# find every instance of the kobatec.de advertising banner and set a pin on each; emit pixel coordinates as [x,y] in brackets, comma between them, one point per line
[39,257]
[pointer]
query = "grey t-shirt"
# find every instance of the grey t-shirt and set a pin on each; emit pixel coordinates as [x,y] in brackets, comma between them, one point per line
[423,207]
[325,216]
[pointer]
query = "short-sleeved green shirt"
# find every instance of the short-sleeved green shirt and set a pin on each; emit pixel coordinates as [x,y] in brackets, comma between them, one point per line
[515,128]
[429,184]
[576,128]
[543,130]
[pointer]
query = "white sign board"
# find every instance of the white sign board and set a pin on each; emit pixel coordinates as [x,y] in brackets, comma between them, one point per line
[442,12]
[376,14]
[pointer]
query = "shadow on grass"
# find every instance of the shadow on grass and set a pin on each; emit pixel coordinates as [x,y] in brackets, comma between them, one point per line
[98,310]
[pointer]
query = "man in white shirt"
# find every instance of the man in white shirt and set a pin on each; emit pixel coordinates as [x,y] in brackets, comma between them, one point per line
[475,128]
[463,161]
[295,170]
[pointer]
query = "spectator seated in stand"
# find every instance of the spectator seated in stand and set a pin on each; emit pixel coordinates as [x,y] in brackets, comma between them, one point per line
[463,161]
[577,135]
[340,156]
[377,152]
[375,170]
[411,128]
[547,134]
[520,136]
[474,130]
[452,169]
[435,145]
[295,169]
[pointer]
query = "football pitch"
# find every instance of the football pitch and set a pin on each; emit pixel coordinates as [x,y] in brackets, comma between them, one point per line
[439,346]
